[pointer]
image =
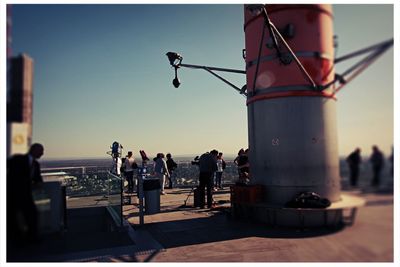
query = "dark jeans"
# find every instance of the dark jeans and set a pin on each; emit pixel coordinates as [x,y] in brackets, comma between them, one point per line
[377,173]
[218,179]
[129,178]
[206,180]
[170,179]
[354,176]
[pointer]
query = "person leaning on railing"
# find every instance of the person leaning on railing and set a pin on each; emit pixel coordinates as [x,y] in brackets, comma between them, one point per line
[207,167]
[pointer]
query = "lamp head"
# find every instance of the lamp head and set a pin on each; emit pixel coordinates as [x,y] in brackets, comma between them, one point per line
[255,9]
[176,82]
[174,59]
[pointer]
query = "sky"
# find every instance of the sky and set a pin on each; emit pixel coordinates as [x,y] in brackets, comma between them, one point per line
[101,75]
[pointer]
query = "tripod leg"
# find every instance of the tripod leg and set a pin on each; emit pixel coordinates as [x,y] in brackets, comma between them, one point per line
[189,195]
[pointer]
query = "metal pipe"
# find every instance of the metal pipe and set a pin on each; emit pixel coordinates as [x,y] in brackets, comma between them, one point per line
[294,56]
[360,67]
[224,80]
[382,45]
[260,49]
[212,68]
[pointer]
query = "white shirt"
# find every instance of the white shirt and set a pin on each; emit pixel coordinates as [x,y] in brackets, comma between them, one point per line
[219,165]
[128,164]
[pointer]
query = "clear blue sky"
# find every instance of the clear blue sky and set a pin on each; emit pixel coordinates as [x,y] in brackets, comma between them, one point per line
[101,75]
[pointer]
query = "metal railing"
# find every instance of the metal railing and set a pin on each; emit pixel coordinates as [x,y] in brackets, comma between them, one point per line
[115,197]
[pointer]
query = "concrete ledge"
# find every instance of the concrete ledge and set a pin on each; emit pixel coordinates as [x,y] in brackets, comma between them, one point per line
[339,213]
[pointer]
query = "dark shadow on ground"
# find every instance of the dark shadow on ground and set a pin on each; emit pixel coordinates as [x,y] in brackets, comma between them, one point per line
[88,229]
[221,227]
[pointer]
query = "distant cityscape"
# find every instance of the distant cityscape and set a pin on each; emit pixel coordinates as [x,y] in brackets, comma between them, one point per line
[86,177]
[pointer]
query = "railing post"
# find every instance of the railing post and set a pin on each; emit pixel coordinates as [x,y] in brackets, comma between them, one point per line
[142,173]
[121,184]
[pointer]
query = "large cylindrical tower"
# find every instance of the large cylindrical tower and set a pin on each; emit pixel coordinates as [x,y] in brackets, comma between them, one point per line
[292,125]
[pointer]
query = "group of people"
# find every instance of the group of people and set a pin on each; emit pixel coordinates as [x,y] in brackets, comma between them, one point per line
[212,164]
[377,160]
[162,169]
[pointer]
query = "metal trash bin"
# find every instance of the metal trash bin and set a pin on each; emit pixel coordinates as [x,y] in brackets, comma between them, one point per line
[151,188]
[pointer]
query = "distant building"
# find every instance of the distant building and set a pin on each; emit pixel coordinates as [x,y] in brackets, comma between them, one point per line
[9,38]
[9,51]
[19,100]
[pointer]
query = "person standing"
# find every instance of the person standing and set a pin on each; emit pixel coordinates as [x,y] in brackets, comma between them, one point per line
[207,167]
[161,170]
[243,165]
[23,175]
[377,161]
[221,165]
[391,159]
[130,165]
[171,165]
[354,160]
[236,160]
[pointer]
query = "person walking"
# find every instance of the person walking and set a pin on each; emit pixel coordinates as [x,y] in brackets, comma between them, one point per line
[171,165]
[354,160]
[207,167]
[161,170]
[377,161]
[221,165]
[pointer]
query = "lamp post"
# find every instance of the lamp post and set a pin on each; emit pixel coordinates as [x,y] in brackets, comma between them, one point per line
[175,61]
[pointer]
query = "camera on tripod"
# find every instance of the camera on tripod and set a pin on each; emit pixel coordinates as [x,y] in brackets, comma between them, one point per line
[195,161]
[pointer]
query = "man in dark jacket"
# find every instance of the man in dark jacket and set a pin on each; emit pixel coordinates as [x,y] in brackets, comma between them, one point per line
[23,173]
[377,161]
[207,167]
[171,165]
[354,160]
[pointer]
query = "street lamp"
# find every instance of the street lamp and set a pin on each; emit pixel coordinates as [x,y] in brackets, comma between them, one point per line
[175,60]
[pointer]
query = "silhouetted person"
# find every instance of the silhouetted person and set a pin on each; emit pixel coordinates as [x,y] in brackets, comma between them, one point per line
[391,159]
[23,174]
[243,165]
[377,161]
[354,160]
[236,160]
[171,165]
[207,167]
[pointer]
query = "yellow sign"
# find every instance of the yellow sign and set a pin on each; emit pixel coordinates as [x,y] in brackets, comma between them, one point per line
[18,139]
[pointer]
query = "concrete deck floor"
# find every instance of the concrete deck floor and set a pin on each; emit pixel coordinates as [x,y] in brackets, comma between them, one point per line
[188,234]
[182,233]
